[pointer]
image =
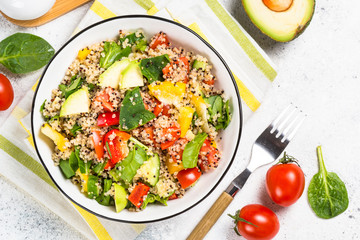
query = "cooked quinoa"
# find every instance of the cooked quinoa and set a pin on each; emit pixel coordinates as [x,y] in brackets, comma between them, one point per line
[133,117]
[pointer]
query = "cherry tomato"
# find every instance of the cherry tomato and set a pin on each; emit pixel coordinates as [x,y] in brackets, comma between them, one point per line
[159,39]
[116,145]
[6,93]
[108,119]
[285,183]
[188,176]
[264,222]
[98,143]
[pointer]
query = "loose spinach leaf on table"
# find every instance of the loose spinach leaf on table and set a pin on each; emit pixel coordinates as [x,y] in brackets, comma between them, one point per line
[112,52]
[192,149]
[133,112]
[327,194]
[152,68]
[24,52]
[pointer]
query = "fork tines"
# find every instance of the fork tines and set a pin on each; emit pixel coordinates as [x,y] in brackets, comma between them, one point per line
[287,123]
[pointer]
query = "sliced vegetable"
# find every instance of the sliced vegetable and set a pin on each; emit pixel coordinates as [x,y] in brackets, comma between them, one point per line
[133,112]
[66,168]
[327,193]
[104,197]
[173,166]
[104,99]
[99,168]
[201,109]
[83,53]
[98,142]
[84,179]
[131,76]
[120,197]
[179,66]
[59,140]
[158,40]
[152,68]
[77,102]
[171,134]
[197,64]
[209,156]
[192,149]
[132,163]
[73,87]
[92,186]
[24,52]
[151,198]
[173,197]
[150,170]
[108,119]
[116,144]
[168,93]
[111,77]
[136,197]
[112,52]
[75,129]
[189,176]
[162,187]
[185,118]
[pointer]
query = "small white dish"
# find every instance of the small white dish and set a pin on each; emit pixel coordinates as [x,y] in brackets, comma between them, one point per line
[25,9]
[179,35]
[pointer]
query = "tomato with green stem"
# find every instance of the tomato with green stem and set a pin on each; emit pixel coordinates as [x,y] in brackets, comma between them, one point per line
[285,181]
[256,222]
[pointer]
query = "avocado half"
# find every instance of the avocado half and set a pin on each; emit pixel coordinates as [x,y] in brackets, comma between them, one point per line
[282,20]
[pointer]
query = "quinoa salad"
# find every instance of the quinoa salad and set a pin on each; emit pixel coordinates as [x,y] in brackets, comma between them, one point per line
[135,120]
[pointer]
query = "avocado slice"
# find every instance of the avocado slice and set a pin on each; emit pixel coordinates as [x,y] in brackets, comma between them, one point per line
[131,76]
[78,102]
[199,64]
[120,197]
[111,77]
[282,20]
[150,170]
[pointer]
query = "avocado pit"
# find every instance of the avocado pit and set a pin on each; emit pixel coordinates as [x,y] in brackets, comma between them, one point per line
[278,5]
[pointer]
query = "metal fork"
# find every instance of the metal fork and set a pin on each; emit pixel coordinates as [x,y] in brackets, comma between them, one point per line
[266,149]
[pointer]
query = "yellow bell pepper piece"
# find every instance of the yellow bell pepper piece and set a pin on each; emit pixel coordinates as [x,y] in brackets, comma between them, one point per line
[54,135]
[173,166]
[84,180]
[82,54]
[213,143]
[201,109]
[185,118]
[168,93]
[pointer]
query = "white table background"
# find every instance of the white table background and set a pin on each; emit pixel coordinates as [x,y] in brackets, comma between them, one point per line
[319,72]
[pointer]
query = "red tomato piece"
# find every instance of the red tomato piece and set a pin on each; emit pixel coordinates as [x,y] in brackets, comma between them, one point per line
[209,82]
[165,110]
[136,197]
[209,156]
[159,39]
[188,176]
[185,64]
[167,144]
[171,134]
[104,99]
[265,221]
[6,93]
[108,119]
[116,145]
[173,196]
[150,132]
[98,142]
[109,165]
[285,183]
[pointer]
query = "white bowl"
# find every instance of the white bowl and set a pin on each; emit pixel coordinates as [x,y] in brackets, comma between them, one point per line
[179,36]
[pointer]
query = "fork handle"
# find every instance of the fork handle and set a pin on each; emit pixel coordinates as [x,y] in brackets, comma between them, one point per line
[211,217]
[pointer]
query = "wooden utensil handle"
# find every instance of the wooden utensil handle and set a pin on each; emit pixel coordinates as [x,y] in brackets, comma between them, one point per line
[211,217]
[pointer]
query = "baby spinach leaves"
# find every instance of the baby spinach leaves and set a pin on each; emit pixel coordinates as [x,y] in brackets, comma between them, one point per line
[152,68]
[112,52]
[327,194]
[133,112]
[151,198]
[132,163]
[24,52]
[75,85]
[219,112]
[75,128]
[192,149]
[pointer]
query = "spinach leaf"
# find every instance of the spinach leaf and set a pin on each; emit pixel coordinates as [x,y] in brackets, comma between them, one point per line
[75,85]
[102,198]
[218,111]
[152,68]
[99,168]
[92,188]
[151,198]
[24,52]
[66,168]
[327,194]
[75,128]
[133,112]
[56,117]
[132,163]
[192,149]
[141,45]
[83,166]
[73,161]
[132,39]
[42,107]
[112,52]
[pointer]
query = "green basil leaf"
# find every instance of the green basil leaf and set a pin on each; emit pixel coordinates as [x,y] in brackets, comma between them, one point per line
[132,163]
[152,68]
[151,198]
[75,128]
[327,194]
[132,112]
[192,149]
[112,52]
[24,52]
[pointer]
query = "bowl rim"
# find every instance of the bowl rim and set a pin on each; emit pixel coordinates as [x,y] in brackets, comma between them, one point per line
[178,25]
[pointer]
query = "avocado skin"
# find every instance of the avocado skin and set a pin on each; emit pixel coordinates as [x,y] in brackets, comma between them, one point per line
[297,33]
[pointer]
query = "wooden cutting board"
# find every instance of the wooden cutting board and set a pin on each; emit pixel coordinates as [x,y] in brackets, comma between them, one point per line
[60,7]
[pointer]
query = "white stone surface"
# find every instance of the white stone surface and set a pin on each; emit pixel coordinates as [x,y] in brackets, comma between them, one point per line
[318,72]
